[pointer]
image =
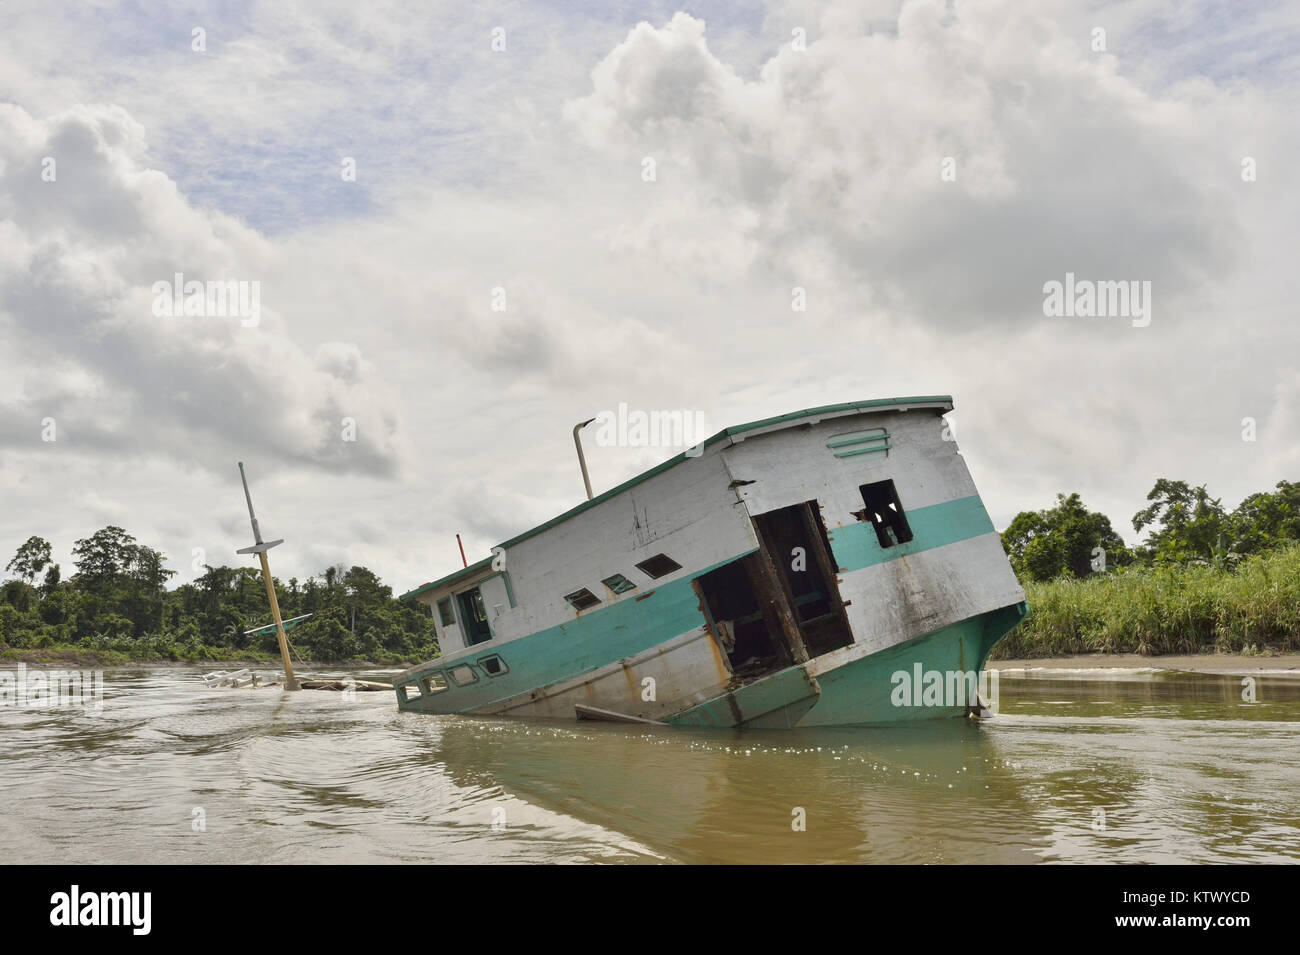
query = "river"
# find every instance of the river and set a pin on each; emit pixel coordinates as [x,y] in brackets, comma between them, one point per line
[1104,766]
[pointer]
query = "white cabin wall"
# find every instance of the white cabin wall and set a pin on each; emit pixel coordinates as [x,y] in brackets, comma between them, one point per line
[496,600]
[898,599]
[795,465]
[687,512]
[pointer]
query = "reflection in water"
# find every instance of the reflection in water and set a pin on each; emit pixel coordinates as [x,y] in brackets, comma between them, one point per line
[1152,767]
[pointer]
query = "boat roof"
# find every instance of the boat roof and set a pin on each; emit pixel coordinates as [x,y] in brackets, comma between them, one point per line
[778,423]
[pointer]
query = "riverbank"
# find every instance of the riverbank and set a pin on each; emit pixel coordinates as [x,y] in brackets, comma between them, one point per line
[1222,663]
[1155,611]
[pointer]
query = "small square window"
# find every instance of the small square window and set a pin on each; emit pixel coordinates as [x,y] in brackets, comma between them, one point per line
[884,512]
[658,566]
[434,683]
[444,612]
[619,584]
[464,675]
[493,665]
[582,599]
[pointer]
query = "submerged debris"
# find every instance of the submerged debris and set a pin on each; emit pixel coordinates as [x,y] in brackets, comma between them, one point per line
[246,678]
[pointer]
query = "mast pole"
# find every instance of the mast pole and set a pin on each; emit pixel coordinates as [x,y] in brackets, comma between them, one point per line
[259,548]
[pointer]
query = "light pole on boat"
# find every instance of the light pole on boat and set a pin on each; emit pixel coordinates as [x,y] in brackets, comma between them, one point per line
[582,461]
[260,549]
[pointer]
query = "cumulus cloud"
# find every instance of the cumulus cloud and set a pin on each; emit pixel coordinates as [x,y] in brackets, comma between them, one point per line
[835,153]
[523,170]
[86,230]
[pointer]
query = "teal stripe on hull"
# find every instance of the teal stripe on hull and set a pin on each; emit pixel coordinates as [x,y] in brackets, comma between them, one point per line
[856,546]
[628,626]
[586,643]
[863,691]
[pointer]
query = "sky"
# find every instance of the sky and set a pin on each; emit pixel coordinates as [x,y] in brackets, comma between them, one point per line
[469,227]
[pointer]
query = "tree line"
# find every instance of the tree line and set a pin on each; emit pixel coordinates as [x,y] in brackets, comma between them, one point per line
[118,601]
[1185,525]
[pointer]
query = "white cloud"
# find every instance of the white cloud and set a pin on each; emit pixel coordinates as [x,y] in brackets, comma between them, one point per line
[775,168]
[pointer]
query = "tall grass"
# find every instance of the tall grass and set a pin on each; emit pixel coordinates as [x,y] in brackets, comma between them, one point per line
[1172,609]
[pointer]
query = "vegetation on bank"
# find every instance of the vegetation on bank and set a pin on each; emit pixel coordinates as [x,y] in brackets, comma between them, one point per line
[1251,608]
[116,607]
[1205,580]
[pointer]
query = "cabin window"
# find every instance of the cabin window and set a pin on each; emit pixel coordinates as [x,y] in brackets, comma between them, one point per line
[884,512]
[473,618]
[411,691]
[619,584]
[464,675]
[493,665]
[658,566]
[582,599]
[444,612]
[434,683]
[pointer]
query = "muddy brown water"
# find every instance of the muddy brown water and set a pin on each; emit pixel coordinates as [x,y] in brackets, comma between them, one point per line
[1107,766]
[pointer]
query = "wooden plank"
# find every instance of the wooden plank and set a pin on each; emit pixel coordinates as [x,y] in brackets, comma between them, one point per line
[609,716]
[770,591]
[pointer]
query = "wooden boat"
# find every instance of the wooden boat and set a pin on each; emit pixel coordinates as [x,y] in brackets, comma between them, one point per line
[831,566]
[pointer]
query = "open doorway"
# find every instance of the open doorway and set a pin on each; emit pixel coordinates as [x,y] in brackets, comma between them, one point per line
[749,618]
[473,618]
[795,539]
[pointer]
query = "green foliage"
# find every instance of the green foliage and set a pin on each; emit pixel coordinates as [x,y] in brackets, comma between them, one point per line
[1063,539]
[1167,608]
[1192,523]
[31,559]
[117,605]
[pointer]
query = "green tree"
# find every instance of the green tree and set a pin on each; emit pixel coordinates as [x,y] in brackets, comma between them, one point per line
[1064,538]
[1266,519]
[1191,524]
[103,556]
[31,558]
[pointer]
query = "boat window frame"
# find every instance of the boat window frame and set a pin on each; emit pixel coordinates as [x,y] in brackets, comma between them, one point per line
[465,636]
[480,663]
[426,690]
[893,514]
[631,584]
[641,566]
[449,602]
[569,599]
[451,669]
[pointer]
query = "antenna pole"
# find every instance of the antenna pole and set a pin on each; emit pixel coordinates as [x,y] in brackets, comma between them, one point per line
[260,549]
[582,460]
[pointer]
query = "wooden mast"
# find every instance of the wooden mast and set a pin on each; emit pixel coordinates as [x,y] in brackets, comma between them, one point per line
[260,549]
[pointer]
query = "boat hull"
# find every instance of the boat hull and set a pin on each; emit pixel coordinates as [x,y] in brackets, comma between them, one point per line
[933,676]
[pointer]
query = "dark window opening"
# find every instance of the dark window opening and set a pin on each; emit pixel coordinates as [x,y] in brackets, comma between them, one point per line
[619,584]
[747,632]
[795,538]
[884,513]
[444,612]
[582,599]
[493,665]
[658,566]
[473,617]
